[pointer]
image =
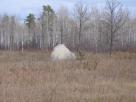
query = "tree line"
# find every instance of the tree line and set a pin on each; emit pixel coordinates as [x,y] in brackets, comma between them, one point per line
[99,30]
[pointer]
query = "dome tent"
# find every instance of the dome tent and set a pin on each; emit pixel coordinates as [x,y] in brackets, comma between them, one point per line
[61,52]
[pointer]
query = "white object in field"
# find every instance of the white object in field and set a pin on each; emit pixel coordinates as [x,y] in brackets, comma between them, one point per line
[61,52]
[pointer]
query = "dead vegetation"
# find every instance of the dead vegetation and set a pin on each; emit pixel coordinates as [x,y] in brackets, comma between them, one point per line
[32,77]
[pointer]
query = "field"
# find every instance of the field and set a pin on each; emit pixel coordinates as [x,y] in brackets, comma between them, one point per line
[33,77]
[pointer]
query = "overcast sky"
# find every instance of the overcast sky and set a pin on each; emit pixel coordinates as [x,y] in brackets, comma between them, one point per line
[21,8]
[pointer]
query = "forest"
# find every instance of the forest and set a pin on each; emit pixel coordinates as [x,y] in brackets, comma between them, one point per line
[106,29]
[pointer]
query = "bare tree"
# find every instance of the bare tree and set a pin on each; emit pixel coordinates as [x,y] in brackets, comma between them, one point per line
[114,18]
[98,30]
[62,20]
[80,13]
[5,31]
[12,32]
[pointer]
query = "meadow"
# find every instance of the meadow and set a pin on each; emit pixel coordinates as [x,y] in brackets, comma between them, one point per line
[32,77]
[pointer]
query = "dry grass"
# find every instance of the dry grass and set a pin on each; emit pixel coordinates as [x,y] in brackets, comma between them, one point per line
[32,77]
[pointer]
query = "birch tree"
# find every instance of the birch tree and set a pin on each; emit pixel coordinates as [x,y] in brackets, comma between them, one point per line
[12,32]
[62,21]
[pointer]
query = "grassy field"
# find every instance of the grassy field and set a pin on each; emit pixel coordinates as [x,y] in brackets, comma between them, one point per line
[32,77]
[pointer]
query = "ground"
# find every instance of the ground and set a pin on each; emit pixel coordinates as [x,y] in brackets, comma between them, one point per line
[33,77]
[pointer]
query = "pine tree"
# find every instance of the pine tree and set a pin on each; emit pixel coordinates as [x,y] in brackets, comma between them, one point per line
[47,20]
[30,23]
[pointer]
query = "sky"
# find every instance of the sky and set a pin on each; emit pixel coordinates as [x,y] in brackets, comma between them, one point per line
[21,8]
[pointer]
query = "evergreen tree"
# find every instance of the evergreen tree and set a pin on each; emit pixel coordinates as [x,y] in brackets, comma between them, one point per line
[30,23]
[47,20]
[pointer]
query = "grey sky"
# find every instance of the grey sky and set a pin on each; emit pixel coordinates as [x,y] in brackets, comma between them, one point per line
[21,8]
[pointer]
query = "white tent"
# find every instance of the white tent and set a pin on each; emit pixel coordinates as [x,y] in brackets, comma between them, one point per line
[61,52]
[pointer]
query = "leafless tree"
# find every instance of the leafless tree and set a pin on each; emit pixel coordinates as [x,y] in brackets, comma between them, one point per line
[96,30]
[80,14]
[62,20]
[12,32]
[115,19]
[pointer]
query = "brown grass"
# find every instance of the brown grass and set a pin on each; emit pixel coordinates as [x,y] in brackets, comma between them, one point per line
[32,77]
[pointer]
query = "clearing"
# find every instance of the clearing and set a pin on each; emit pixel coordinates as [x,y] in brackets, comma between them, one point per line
[32,77]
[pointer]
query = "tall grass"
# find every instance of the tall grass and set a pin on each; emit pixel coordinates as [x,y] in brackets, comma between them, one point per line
[33,77]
